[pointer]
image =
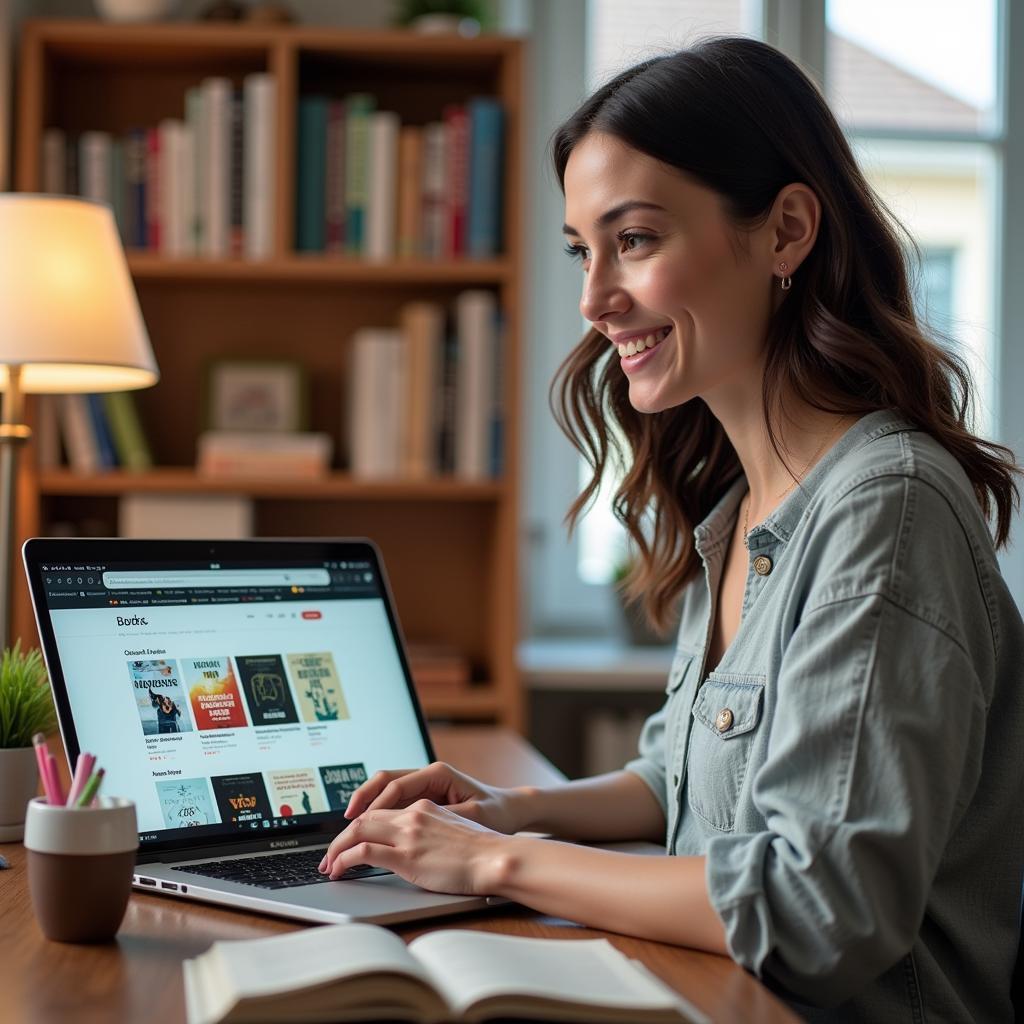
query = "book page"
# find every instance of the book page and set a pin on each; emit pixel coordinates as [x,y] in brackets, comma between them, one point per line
[252,968]
[470,966]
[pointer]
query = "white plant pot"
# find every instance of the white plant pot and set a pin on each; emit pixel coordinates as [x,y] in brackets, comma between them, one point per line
[19,781]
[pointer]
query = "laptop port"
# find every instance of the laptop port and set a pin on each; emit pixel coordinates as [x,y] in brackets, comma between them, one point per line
[169,885]
[147,881]
[184,888]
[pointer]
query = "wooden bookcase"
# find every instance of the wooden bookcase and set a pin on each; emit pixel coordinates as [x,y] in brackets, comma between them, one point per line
[449,546]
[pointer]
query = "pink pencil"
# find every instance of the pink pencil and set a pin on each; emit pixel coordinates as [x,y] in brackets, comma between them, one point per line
[83,769]
[56,787]
[42,754]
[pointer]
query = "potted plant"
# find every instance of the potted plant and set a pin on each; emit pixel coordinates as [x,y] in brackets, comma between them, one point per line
[463,16]
[26,708]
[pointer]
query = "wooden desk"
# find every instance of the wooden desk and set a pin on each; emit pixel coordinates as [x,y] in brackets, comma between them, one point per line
[138,977]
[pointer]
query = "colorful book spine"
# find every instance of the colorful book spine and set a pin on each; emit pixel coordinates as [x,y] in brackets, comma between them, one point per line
[456,123]
[336,176]
[310,221]
[196,121]
[54,162]
[101,431]
[236,204]
[476,328]
[434,206]
[376,390]
[359,106]
[79,436]
[410,191]
[217,166]
[171,194]
[94,159]
[382,199]
[136,187]
[154,186]
[130,444]
[259,189]
[117,188]
[486,163]
[422,324]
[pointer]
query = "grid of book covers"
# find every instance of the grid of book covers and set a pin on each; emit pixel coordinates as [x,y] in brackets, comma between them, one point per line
[231,692]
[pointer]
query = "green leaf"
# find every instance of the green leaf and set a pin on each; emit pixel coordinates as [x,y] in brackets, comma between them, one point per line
[26,705]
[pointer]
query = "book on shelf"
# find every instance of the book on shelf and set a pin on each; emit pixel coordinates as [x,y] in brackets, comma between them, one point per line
[477,366]
[201,183]
[185,516]
[130,444]
[486,177]
[410,192]
[375,411]
[456,197]
[362,972]
[286,455]
[311,179]
[438,670]
[382,197]
[335,177]
[424,400]
[80,440]
[98,432]
[358,109]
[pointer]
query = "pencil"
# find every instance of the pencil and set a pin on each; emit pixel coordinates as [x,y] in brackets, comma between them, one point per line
[83,769]
[90,789]
[39,742]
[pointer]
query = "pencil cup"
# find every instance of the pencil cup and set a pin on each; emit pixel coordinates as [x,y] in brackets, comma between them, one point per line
[80,866]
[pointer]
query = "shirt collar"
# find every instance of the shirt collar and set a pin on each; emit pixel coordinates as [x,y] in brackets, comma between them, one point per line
[715,527]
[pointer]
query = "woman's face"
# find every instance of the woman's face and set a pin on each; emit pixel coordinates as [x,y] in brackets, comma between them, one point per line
[665,277]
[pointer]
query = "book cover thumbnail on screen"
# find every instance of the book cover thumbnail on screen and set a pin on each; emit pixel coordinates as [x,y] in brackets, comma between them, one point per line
[159,697]
[318,686]
[213,693]
[296,791]
[266,689]
[241,799]
[340,782]
[186,803]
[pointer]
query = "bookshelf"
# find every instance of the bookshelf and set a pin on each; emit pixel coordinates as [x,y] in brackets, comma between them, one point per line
[449,545]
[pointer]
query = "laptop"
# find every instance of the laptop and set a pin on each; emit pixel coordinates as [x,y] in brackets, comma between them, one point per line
[238,692]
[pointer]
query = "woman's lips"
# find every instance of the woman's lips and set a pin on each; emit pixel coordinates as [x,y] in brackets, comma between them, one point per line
[632,363]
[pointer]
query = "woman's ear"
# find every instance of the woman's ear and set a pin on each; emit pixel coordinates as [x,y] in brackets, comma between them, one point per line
[795,216]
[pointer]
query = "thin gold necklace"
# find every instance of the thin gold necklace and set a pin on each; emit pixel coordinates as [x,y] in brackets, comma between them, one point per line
[810,463]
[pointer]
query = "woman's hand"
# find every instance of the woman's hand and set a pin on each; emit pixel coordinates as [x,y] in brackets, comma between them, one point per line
[489,806]
[432,847]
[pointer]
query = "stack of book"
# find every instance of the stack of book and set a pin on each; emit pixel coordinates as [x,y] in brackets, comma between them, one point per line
[373,188]
[199,185]
[94,433]
[425,397]
[286,455]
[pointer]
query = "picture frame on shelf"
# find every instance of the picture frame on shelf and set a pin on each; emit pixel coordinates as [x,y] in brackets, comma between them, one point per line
[257,395]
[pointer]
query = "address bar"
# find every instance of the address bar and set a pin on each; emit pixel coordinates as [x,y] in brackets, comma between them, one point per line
[216,578]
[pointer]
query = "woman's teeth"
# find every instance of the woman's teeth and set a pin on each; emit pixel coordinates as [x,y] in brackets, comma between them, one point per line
[633,348]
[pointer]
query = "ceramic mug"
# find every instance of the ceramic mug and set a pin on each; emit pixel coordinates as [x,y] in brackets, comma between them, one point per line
[80,866]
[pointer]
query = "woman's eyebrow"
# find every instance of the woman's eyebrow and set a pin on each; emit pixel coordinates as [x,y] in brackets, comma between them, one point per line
[615,212]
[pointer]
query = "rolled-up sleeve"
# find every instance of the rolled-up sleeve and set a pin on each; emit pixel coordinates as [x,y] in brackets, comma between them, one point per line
[650,762]
[873,755]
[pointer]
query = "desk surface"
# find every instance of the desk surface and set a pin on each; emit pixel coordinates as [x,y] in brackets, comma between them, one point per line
[138,977]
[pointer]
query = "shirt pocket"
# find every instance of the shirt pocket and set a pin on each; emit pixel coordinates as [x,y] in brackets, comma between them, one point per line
[726,714]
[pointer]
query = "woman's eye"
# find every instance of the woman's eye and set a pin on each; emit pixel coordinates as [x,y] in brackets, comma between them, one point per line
[576,252]
[631,239]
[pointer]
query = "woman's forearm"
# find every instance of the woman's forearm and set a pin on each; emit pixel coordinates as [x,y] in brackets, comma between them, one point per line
[618,805]
[660,898]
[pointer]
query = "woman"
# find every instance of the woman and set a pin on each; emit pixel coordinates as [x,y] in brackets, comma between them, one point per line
[836,770]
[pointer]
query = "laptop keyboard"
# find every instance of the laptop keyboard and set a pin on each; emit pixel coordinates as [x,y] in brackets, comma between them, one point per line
[276,871]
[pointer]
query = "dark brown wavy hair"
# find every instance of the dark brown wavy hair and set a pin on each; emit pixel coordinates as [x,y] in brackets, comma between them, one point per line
[742,119]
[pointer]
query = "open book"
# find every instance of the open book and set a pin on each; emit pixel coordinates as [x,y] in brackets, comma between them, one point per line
[361,972]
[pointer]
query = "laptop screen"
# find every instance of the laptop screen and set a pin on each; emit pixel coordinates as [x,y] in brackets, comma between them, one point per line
[230,696]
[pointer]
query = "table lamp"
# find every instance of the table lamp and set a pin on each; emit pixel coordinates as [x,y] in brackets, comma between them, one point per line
[69,322]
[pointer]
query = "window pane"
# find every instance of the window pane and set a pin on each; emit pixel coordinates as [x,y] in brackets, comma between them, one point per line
[945,194]
[924,65]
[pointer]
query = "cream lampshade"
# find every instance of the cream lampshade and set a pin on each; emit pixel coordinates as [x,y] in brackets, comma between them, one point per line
[69,321]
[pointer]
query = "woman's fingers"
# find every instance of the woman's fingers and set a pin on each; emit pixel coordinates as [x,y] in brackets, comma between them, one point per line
[376,854]
[370,790]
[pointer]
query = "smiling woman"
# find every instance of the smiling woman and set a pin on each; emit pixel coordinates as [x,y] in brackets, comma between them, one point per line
[836,769]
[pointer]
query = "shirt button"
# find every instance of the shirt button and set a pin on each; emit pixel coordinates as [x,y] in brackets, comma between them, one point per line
[762,565]
[724,720]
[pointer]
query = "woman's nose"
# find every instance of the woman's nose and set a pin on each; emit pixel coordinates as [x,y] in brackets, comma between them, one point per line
[603,296]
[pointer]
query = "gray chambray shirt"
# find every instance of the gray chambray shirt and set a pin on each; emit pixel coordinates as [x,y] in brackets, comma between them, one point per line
[853,770]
